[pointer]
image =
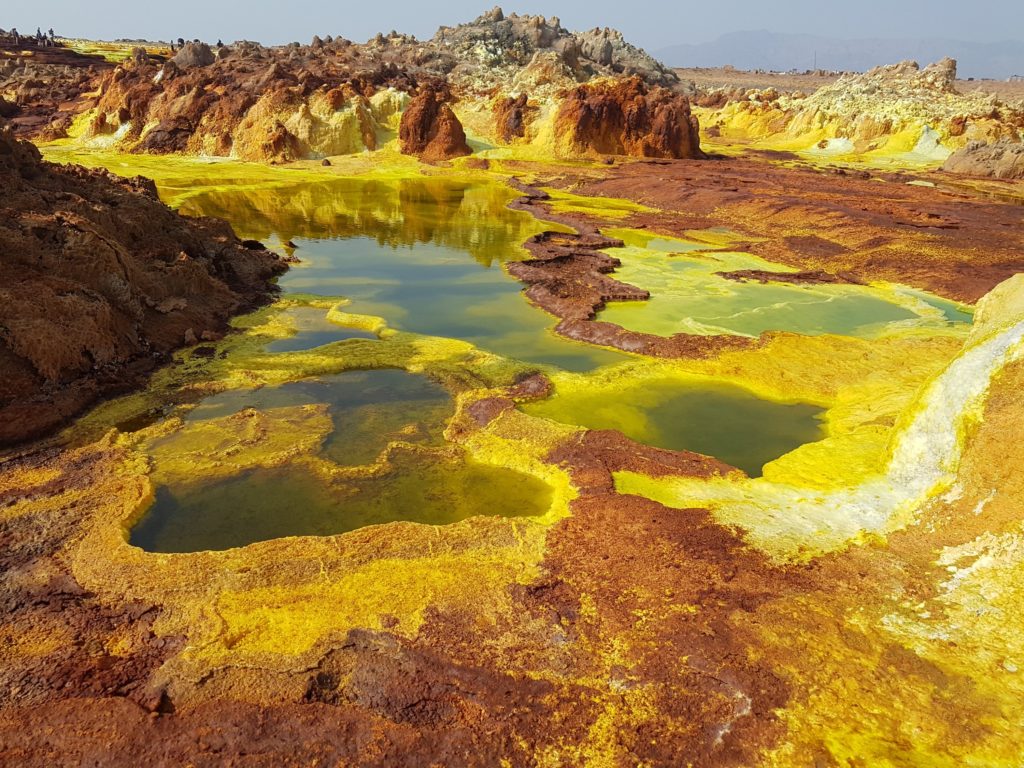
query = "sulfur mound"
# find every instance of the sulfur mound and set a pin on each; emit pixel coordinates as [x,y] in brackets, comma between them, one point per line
[627,117]
[98,281]
[895,108]
[430,130]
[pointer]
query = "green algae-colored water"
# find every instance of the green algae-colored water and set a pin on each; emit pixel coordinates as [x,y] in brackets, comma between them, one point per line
[424,253]
[263,504]
[687,296]
[427,255]
[713,418]
[369,409]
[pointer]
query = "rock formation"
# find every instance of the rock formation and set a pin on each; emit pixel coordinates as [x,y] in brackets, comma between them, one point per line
[492,47]
[512,115]
[40,93]
[99,281]
[627,117]
[895,108]
[259,104]
[194,55]
[502,75]
[430,130]
[998,160]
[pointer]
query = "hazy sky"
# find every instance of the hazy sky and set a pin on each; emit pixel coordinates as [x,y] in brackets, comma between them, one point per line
[648,23]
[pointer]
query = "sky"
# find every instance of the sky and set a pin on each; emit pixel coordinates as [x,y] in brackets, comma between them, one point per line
[648,23]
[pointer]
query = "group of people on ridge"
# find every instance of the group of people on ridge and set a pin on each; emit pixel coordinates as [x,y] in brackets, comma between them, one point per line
[40,39]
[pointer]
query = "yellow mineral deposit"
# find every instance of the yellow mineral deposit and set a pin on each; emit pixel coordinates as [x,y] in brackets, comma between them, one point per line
[793,538]
[897,116]
[855,436]
[921,456]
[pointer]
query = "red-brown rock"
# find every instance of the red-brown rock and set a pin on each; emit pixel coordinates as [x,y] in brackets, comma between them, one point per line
[997,160]
[98,282]
[430,130]
[44,87]
[512,116]
[627,117]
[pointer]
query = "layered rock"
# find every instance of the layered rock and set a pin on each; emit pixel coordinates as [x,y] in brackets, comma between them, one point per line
[998,160]
[430,130]
[99,281]
[627,117]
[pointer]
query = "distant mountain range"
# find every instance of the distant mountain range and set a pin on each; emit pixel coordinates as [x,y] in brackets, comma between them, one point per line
[783,52]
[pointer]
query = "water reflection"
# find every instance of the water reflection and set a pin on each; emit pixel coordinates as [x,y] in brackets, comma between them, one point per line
[424,254]
[469,217]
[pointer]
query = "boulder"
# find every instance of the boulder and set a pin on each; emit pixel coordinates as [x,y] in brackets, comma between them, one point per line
[997,160]
[194,55]
[7,109]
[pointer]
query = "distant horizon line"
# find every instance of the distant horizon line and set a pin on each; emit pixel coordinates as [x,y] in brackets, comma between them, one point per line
[650,49]
[928,38]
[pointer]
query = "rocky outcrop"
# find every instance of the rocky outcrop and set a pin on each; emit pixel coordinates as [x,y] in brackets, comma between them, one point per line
[335,97]
[512,116]
[430,130]
[43,88]
[998,160]
[916,109]
[99,281]
[255,103]
[194,55]
[491,47]
[627,117]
